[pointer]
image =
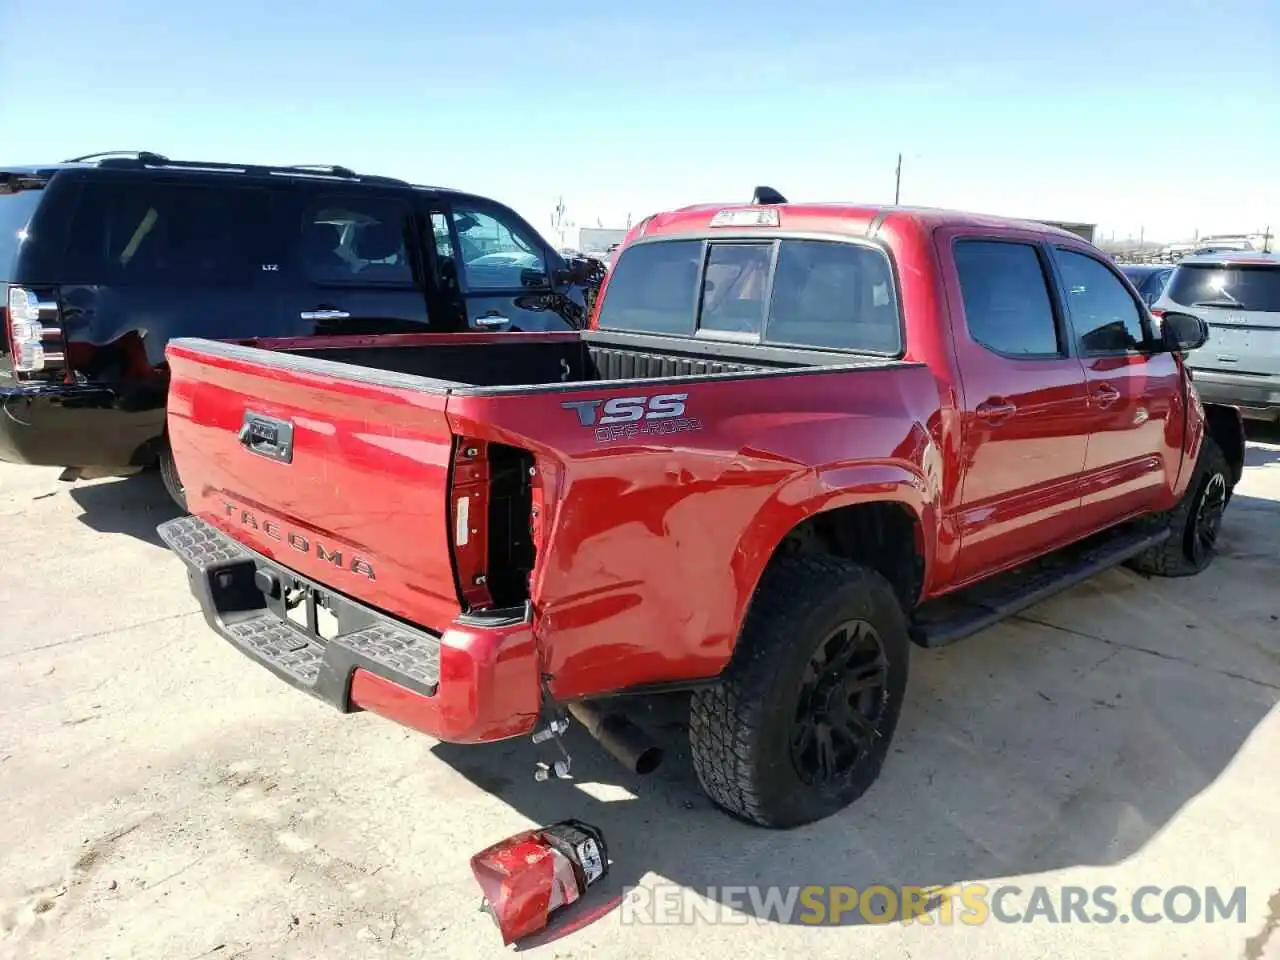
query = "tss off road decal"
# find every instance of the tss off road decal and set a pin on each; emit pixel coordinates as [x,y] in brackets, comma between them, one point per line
[621,418]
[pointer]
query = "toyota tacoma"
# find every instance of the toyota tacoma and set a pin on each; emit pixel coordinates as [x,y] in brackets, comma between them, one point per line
[794,440]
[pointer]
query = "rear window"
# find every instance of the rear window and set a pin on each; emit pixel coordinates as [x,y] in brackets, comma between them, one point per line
[168,233]
[804,293]
[16,210]
[1237,286]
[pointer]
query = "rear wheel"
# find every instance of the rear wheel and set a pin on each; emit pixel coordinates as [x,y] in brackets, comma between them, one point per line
[799,726]
[169,474]
[1195,523]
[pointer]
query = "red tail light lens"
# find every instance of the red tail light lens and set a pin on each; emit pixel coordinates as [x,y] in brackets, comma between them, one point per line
[526,878]
[469,493]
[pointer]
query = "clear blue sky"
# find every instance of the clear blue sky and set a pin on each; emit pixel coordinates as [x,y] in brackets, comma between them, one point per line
[1158,115]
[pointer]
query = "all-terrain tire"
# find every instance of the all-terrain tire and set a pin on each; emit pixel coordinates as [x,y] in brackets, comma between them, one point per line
[1187,551]
[169,475]
[741,730]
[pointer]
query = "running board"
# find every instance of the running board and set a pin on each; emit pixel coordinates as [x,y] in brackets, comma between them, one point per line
[954,617]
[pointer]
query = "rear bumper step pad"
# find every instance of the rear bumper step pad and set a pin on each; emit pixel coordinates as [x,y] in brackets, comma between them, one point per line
[228,579]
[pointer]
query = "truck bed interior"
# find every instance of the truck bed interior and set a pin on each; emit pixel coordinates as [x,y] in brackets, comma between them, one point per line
[589,356]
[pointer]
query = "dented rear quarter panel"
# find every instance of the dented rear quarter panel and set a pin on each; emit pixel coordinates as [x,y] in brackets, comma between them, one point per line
[650,547]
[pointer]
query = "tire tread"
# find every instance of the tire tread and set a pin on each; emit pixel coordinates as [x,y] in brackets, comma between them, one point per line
[727,720]
[1169,558]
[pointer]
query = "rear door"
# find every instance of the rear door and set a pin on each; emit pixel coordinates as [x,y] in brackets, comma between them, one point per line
[1135,409]
[1024,423]
[494,270]
[354,263]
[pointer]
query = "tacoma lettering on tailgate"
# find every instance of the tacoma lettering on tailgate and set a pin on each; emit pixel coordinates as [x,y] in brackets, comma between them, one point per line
[620,418]
[303,543]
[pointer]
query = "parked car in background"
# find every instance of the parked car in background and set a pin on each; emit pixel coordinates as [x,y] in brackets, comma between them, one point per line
[104,258]
[1238,294]
[1148,279]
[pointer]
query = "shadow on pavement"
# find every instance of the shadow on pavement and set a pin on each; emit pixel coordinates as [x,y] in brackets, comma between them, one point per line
[1028,748]
[134,505]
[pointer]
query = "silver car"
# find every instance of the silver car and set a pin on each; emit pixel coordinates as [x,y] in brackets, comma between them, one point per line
[1237,293]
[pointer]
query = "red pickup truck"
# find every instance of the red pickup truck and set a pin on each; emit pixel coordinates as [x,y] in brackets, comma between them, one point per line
[796,439]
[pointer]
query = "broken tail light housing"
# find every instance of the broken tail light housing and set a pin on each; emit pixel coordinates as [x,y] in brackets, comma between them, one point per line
[529,877]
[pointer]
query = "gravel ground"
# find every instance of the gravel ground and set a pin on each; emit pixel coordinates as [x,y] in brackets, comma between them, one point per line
[162,797]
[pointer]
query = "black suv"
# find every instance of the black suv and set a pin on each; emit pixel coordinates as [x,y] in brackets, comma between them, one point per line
[104,258]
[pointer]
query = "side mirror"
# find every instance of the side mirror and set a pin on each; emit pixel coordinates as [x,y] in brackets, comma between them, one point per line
[1182,332]
[531,279]
[581,272]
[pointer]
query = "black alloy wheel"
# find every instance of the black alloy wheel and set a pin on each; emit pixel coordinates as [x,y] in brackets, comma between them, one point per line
[840,703]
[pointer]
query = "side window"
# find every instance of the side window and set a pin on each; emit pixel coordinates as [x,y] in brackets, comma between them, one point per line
[440,232]
[1007,307]
[1158,283]
[1150,287]
[357,239]
[496,255]
[734,287]
[446,260]
[1105,316]
[16,211]
[165,233]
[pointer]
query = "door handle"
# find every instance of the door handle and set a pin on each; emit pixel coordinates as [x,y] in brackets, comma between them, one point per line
[996,410]
[1106,395]
[324,315]
[267,436]
[491,320]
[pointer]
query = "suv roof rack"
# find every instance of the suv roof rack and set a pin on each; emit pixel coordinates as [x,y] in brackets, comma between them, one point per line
[144,155]
[324,168]
[134,159]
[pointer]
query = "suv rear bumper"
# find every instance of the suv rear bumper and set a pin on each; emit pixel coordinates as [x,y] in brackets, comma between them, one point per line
[1249,392]
[75,425]
[473,683]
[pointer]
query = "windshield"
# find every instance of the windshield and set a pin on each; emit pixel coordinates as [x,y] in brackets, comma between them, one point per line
[16,210]
[1254,287]
[824,294]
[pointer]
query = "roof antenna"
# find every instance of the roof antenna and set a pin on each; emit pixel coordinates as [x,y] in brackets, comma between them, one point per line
[767,195]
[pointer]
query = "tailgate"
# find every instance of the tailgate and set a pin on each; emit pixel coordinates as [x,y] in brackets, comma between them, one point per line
[343,479]
[1240,342]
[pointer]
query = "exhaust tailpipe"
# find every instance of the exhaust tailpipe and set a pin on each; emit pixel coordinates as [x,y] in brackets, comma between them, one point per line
[625,741]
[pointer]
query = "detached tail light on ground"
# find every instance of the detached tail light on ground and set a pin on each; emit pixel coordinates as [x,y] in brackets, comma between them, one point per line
[529,877]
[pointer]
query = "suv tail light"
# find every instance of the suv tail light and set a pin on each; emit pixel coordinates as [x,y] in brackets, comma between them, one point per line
[34,330]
